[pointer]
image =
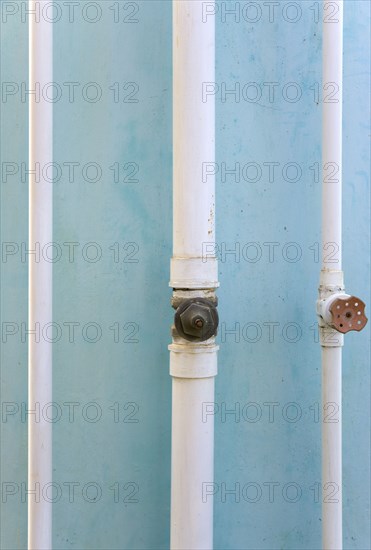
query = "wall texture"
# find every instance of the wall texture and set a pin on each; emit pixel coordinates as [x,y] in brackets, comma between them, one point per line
[111,388]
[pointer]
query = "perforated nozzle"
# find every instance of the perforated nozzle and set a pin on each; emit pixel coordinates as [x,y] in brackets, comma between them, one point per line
[348,314]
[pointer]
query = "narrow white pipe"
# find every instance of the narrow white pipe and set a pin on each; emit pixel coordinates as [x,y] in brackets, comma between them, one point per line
[331,275]
[193,366]
[331,449]
[40,283]
[332,135]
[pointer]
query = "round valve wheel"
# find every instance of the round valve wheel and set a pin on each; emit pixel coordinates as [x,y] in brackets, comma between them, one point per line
[348,314]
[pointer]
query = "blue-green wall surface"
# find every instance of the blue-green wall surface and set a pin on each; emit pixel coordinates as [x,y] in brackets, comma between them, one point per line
[111,444]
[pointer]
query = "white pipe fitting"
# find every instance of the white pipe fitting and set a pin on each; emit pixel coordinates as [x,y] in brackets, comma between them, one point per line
[331,287]
[324,306]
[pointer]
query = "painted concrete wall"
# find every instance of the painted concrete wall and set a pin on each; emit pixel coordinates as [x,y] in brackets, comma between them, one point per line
[111,444]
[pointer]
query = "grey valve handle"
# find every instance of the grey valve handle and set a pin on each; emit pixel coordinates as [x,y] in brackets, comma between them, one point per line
[196,319]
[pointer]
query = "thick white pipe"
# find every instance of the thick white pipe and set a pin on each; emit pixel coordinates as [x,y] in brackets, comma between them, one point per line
[332,117]
[331,275]
[40,282]
[193,366]
[193,146]
[192,467]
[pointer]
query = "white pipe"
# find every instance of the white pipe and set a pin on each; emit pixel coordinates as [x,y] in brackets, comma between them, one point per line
[193,366]
[193,145]
[192,469]
[40,283]
[332,277]
[332,134]
[331,449]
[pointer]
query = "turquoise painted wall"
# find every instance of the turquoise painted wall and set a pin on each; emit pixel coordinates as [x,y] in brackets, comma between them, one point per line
[111,444]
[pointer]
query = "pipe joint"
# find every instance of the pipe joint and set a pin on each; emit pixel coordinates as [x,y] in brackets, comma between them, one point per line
[193,350]
[194,272]
[331,285]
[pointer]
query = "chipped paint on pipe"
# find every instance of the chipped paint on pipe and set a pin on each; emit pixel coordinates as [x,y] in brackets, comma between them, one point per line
[193,264]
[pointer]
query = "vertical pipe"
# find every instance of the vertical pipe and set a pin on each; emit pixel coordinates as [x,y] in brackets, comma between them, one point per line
[331,449]
[194,127]
[332,275]
[192,465]
[40,280]
[193,146]
[332,133]
[193,365]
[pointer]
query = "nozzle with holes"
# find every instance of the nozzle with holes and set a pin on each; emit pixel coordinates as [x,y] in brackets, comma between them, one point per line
[343,313]
[348,313]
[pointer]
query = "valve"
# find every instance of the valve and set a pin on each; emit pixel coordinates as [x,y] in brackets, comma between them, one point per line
[196,319]
[343,312]
[348,313]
